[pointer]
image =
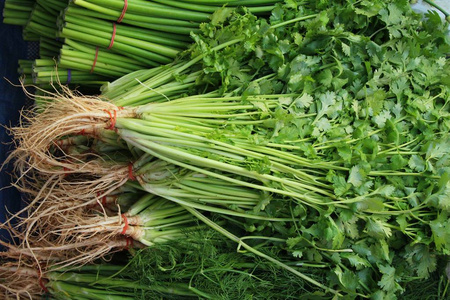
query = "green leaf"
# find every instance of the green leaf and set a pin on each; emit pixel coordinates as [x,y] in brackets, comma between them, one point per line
[369,8]
[398,162]
[402,222]
[345,152]
[220,15]
[381,119]
[377,228]
[387,282]
[355,177]
[346,49]
[297,254]
[420,259]
[356,261]
[440,228]
[347,279]
[323,124]
[386,190]
[372,204]
[437,149]
[416,163]
[375,101]
[399,86]
[304,101]
[325,78]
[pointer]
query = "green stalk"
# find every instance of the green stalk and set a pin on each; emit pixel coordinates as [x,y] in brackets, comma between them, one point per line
[64,289]
[155,52]
[211,7]
[125,31]
[157,24]
[140,55]
[200,165]
[148,9]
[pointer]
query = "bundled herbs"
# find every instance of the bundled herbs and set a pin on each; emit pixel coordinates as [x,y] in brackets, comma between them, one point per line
[17,12]
[203,265]
[318,138]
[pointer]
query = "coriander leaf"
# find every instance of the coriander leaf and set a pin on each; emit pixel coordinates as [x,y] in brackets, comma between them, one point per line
[416,163]
[323,124]
[304,101]
[386,190]
[355,177]
[380,119]
[356,261]
[388,280]
[377,228]
[347,279]
[420,259]
[441,233]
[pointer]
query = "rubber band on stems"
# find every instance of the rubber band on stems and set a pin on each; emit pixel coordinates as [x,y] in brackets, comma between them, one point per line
[129,241]
[41,282]
[124,10]
[130,172]
[95,60]
[69,76]
[66,171]
[113,36]
[125,226]
[42,285]
[112,119]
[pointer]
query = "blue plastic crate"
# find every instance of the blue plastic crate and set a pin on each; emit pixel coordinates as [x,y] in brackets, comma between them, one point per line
[12,99]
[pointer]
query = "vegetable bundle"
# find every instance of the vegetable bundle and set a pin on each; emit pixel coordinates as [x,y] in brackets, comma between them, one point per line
[317,141]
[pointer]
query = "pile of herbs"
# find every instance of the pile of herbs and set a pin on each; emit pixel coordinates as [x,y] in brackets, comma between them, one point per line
[336,113]
[371,81]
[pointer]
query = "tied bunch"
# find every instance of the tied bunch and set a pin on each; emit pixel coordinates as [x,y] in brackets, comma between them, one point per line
[316,140]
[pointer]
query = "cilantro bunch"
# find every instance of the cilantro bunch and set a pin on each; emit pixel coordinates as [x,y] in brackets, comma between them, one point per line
[366,88]
[327,125]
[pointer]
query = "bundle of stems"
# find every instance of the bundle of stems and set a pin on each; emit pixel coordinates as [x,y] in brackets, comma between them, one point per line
[179,17]
[210,136]
[42,21]
[25,71]
[49,48]
[203,264]
[84,57]
[152,86]
[138,44]
[17,12]
[46,72]
[78,231]
[321,176]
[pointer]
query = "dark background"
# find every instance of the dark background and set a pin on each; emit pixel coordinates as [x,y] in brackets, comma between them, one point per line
[12,99]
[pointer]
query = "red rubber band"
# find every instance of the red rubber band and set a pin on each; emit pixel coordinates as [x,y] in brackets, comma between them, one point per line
[66,170]
[112,119]
[113,36]
[124,10]
[95,61]
[41,282]
[130,172]
[125,227]
[42,285]
[82,132]
[129,243]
